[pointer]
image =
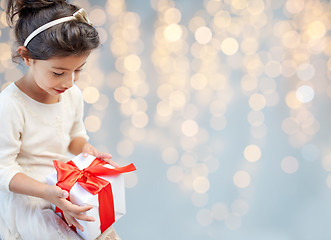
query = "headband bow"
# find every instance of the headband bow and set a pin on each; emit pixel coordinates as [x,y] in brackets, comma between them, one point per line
[81,15]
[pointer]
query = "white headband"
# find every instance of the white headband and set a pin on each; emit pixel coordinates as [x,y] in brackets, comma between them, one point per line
[80,15]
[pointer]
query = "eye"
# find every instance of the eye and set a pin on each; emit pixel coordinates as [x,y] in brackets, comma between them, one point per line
[78,70]
[58,74]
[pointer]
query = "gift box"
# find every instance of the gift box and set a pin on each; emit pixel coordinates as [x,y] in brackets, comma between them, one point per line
[90,181]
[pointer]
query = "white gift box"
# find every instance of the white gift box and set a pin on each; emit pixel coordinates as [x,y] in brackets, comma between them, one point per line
[80,196]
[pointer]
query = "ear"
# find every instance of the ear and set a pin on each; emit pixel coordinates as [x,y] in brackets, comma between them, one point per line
[24,53]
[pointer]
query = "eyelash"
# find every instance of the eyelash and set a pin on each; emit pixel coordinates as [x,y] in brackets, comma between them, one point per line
[57,74]
[60,74]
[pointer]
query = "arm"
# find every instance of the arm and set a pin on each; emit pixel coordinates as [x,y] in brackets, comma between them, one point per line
[24,184]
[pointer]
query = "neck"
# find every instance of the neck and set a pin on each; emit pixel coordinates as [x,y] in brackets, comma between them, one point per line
[27,85]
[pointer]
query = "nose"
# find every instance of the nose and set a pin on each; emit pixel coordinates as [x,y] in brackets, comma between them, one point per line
[69,81]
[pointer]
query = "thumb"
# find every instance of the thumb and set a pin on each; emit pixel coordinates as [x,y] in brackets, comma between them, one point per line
[63,194]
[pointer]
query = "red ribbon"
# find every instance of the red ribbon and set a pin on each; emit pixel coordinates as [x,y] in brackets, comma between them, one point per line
[68,174]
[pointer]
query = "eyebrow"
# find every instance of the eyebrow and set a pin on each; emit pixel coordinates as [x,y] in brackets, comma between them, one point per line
[66,69]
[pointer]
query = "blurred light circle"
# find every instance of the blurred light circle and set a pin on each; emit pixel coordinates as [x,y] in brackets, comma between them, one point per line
[212,163]
[203,35]
[290,126]
[326,162]
[164,90]
[229,46]
[291,39]
[103,35]
[164,109]
[139,119]
[122,94]
[249,45]
[177,99]
[172,15]
[255,7]
[294,6]
[305,72]
[199,169]
[132,63]
[305,93]
[252,153]
[173,32]
[290,165]
[186,183]
[175,174]
[242,179]
[201,184]
[232,222]
[249,83]
[92,123]
[190,128]
[239,207]
[97,16]
[316,30]
[91,95]
[255,118]
[257,101]
[273,69]
[292,101]
[220,211]
[239,4]
[222,19]
[196,22]
[102,103]
[198,81]
[131,180]
[170,155]
[204,217]
[131,19]
[125,148]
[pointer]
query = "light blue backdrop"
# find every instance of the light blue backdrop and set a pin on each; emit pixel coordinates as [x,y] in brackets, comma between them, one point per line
[224,108]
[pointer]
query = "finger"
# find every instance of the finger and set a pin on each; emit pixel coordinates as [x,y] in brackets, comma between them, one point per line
[114,164]
[73,222]
[87,153]
[103,155]
[77,225]
[70,207]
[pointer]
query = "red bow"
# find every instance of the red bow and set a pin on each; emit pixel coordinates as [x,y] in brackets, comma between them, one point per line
[68,174]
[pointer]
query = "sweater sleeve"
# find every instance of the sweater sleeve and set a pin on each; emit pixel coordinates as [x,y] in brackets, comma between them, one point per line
[12,123]
[78,128]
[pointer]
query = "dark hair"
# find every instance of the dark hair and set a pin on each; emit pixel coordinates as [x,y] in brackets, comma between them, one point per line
[67,38]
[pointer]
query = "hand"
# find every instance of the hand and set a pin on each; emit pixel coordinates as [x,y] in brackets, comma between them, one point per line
[71,212]
[88,149]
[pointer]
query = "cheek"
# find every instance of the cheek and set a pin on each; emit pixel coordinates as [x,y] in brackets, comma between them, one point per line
[76,76]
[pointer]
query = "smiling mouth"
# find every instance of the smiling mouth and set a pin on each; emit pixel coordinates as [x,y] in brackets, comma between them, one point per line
[59,91]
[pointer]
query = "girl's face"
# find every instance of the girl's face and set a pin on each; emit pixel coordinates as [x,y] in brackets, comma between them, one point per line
[55,75]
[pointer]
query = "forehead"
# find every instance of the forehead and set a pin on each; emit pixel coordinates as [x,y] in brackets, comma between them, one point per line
[66,62]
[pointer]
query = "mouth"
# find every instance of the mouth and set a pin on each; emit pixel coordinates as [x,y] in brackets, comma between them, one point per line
[59,91]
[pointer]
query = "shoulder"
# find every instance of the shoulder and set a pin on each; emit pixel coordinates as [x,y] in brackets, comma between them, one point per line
[10,102]
[9,96]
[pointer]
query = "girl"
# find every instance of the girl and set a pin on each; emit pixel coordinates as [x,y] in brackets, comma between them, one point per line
[41,119]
